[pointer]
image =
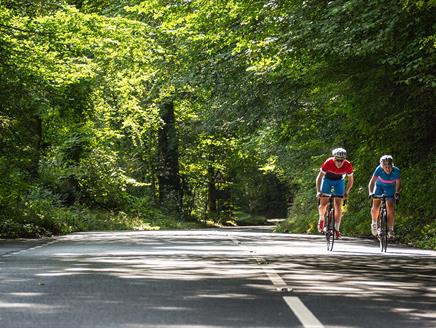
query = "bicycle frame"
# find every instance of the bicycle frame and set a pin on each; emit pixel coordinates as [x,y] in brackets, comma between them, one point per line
[329,220]
[382,223]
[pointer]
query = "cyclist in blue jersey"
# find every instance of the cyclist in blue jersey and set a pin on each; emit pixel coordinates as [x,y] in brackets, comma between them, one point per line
[385,180]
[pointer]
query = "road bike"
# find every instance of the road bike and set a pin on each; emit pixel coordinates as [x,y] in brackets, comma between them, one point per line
[382,223]
[329,220]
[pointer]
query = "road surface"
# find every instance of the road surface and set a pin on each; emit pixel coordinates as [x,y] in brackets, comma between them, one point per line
[233,277]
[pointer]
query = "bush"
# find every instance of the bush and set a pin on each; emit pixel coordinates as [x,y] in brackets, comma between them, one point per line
[42,213]
[303,216]
[246,219]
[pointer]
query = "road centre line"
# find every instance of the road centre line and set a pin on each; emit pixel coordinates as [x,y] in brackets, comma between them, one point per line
[276,280]
[302,312]
[295,304]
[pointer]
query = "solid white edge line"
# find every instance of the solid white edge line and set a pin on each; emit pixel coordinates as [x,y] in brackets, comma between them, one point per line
[28,249]
[302,312]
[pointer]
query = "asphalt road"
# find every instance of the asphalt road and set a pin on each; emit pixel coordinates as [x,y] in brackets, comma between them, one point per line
[213,278]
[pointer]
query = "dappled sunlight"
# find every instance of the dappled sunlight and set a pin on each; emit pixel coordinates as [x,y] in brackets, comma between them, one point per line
[12,280]
[205,325]
[186,267]
[34,307]
[224,295]
[363,275]
[175,279]
[26,294]
[388,284]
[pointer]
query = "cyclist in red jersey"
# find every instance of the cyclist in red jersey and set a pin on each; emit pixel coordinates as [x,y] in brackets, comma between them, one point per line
[331,175]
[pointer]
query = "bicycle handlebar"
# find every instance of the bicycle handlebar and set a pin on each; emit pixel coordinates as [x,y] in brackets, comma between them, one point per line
[377,196]
[331,195]
[383,196]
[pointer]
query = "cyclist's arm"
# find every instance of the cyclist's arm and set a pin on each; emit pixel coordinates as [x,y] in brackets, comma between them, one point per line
[371,184]
[349,184]
[318,181]
[397,185]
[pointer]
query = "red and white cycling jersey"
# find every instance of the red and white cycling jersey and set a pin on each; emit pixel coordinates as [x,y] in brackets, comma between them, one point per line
[333,172]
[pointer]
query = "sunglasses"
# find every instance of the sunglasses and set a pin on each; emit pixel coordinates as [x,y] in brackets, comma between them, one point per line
[339,160]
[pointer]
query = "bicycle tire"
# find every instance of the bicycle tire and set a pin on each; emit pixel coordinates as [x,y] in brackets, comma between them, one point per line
[326,228]
[379,230]
[330,232]
[384,232]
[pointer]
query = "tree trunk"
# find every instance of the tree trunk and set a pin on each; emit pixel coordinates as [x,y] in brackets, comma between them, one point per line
[36,131]
[211,190]
[168,175]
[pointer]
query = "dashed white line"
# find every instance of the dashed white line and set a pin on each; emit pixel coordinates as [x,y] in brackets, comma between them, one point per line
[274,277]
[302,312]
[295,304]
[277,281]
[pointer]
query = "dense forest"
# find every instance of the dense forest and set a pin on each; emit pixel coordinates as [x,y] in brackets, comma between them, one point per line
[130,114]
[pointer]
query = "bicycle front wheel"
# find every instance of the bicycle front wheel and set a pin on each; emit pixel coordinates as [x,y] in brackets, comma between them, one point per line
[383,235]
[330,231]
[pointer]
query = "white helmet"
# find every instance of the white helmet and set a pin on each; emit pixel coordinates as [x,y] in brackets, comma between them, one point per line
[386,159]
[339,153]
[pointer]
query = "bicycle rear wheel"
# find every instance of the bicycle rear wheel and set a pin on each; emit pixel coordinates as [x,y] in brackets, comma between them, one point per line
[383,235]
[330,230]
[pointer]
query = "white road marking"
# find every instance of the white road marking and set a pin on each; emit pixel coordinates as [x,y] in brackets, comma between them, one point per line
[295,304]
[274,277]
[235,241]
[28,249]
[302,312]
[276,280]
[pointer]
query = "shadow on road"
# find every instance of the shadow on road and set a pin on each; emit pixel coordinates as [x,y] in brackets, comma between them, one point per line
[198,281]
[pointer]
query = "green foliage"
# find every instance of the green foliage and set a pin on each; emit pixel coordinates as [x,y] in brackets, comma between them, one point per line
[247,219]
[262,91]
[42,214]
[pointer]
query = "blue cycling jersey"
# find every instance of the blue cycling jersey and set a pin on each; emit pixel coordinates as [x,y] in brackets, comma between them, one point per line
[384,179]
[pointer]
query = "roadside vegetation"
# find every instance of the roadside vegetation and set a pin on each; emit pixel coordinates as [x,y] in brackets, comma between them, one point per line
[130,114]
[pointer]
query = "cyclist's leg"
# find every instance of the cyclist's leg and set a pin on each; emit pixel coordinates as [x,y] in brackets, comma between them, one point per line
[324,189]
[322,209]
[339,190]
[390,206]
[338,216]
[375,209]
[338,211]
[391,216]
